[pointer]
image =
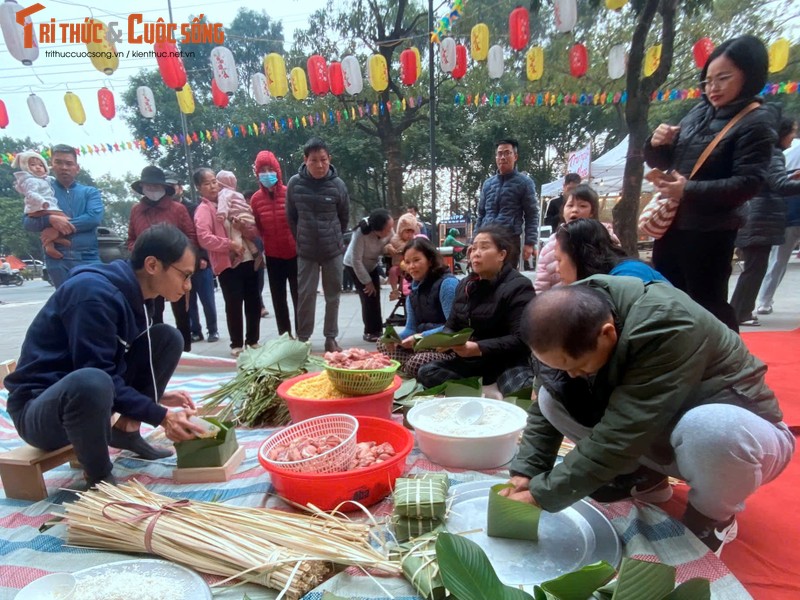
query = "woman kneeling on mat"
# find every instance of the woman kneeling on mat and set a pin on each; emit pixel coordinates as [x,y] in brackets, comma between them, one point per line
[428,305]
[490,301]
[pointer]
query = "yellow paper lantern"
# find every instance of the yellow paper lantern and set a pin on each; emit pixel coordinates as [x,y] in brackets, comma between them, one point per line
[299,83]
[534,60]
[275,70]
[102,53]
[378,72]
[185,99]
[778,55]
[75,108]
[651,59]
[415,50]
[479,42]
[615,4]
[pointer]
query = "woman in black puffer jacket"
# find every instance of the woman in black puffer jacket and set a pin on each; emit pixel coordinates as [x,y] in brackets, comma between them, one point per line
[765,225]
[695,253]
[491,302]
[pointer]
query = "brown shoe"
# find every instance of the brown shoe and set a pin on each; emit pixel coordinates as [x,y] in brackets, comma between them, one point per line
[331,345]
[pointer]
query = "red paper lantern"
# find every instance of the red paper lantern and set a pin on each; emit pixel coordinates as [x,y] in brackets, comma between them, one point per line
[171,66]
[578,60]
[702,49]
[105,100]
[336,78]
[461,62]
[408,67]
[519,28]
[3,115]
[219,97]
[317,70]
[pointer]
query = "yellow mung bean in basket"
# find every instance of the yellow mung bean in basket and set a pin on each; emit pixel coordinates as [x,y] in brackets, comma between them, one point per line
[316,388]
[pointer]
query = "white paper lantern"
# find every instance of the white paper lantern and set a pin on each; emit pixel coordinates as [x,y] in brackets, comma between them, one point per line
[617,61]
[14,34]
[566,14]
[224,68]
[146,101]
[38,110]
[258,87]
[353,80]
[495,62]
[447,55]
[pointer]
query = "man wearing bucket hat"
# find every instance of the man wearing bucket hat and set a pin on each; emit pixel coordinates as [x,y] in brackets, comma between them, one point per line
[157,206]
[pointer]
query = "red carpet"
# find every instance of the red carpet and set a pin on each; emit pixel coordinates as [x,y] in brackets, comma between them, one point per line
[764,556]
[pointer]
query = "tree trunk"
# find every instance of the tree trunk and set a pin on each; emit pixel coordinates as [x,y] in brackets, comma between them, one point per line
[392,152]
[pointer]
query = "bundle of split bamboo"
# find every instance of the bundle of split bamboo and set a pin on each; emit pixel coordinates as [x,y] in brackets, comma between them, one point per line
[284,551]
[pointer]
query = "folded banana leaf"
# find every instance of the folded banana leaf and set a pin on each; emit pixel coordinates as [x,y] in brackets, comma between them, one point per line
[443,340]
[390,335]
[420,568]
[407,528]
[422,497]
[508,518]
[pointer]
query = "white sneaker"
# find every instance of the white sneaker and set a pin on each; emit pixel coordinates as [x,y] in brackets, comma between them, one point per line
[764,310]
[235,352]
[254,346]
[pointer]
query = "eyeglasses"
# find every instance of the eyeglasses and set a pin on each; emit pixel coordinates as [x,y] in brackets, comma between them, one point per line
[717,83]
[502,153]
[186,276]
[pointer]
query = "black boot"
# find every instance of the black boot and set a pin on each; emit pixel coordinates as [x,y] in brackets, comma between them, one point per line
[133,441]
[643,484]
[714,534]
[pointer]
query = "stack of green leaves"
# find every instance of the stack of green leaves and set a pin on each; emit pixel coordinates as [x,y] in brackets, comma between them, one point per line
[418,562]
[420,504]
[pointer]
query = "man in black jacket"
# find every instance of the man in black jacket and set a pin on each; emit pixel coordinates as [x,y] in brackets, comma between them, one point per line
[318,211]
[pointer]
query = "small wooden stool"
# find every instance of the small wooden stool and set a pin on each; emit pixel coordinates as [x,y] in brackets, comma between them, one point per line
[22,469]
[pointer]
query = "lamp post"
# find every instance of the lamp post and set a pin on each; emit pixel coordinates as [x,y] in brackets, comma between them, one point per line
[185,129]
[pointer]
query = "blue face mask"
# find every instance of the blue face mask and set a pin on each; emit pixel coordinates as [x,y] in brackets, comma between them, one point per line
[268,179]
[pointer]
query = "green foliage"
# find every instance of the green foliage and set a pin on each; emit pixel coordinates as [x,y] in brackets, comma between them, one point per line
[14,239]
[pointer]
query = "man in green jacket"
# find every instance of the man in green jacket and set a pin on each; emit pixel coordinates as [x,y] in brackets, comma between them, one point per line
[648,384]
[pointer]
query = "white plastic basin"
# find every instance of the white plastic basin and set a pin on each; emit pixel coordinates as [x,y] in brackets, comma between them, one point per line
[490,442]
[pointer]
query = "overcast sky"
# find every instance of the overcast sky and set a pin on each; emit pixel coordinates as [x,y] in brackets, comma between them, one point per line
[51,77]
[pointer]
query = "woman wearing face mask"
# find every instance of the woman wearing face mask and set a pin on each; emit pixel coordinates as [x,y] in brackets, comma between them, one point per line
[696,251]
[157,206]
[490,301]
[366,248]
[280,249]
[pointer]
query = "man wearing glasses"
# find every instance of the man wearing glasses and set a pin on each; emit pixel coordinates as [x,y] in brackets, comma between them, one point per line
[83,211]
[90,353]
[509,199]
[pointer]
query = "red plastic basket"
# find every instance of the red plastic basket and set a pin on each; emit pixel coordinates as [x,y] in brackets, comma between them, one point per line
[365,486]
[331,461]
[374,405]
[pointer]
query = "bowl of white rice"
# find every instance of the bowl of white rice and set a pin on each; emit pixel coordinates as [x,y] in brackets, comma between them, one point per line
[489,442]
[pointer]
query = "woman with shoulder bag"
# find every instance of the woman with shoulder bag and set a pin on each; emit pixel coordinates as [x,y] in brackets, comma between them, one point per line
[718,155]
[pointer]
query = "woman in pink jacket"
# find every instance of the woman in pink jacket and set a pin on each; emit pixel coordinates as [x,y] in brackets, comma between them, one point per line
[239,283]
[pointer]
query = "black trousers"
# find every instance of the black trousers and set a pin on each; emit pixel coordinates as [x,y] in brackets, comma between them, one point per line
[699,263]
[281,271]
[77,409]
[240,288]
[370,305]
[756,261]
[180,310]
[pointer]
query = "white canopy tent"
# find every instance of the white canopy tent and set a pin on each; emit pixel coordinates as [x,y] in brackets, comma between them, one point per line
[607,172]
[792,154]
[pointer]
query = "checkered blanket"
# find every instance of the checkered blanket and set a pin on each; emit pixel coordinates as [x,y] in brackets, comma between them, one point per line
[26,554]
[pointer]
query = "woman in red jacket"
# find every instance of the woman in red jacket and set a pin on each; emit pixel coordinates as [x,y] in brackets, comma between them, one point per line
[269,209]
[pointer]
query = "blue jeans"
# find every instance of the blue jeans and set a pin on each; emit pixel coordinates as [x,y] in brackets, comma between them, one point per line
[77,409]
[203,288]
[58,268]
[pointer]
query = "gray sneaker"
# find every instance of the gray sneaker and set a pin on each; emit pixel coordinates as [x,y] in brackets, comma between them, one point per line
[764,310]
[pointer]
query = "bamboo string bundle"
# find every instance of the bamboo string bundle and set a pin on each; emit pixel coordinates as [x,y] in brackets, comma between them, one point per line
[284,551]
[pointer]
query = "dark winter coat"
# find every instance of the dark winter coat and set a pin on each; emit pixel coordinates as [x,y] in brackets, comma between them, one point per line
[765,215]
[318,211]
[425,303]
[269,210]
[508,199]
[733,173]
[493,309]
[146,213]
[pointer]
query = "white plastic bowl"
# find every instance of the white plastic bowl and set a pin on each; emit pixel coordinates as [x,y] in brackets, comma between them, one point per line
[59,586]
[489,443]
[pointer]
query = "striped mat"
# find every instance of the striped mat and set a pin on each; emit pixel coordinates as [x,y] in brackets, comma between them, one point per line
[25,554]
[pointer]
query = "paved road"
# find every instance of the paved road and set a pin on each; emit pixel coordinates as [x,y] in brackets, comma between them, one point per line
[20,305]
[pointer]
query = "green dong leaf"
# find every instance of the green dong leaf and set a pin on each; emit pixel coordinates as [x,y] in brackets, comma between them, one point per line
[641,580]
[578,585]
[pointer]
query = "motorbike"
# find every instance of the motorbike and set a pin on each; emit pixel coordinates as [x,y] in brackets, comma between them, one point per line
[11,278]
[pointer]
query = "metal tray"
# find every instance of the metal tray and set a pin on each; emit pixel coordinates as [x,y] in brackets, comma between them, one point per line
[568,540]
[194,589]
